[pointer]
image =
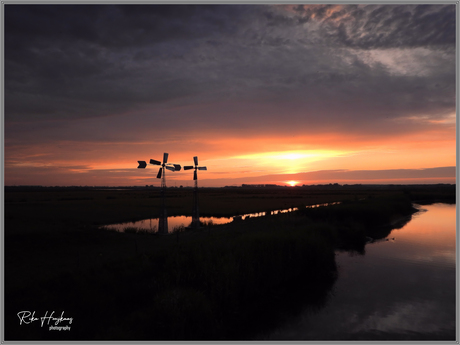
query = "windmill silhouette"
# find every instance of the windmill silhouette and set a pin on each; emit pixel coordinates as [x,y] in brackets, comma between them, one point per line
[163,220]
[195,211]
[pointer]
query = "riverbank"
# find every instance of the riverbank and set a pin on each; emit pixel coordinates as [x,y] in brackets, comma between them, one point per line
[219,283]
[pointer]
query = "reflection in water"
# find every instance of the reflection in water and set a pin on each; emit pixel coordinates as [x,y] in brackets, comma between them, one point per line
[401,289]
[173,223]
[184,221]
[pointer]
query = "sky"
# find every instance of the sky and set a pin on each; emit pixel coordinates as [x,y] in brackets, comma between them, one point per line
[284,94]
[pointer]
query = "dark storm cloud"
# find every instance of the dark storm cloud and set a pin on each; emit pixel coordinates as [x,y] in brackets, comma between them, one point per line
[121,26]
[323,65]
[385,26]
[98,54]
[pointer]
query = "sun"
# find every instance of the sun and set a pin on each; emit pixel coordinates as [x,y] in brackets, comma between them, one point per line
[294,155]
[292,183]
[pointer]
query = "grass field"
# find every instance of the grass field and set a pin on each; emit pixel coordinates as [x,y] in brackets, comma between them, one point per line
[220,283]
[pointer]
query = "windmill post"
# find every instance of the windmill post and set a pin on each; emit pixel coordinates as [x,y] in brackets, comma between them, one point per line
[195,211]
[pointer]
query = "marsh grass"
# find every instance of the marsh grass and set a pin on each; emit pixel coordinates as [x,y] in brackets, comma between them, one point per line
[241,275]
[207,223]
[369,217]
[130,230]
[178,228]
[139,231]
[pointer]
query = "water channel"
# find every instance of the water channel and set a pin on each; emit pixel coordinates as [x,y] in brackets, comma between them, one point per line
[402,288]
[184,221]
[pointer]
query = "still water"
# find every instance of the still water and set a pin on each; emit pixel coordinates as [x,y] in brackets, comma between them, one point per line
[179,221]
[403,288]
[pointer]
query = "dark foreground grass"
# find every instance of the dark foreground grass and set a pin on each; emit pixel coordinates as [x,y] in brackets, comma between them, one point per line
[225,282]
[213,286]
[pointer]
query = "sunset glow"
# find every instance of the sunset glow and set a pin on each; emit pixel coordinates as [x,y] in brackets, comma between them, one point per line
[258,101]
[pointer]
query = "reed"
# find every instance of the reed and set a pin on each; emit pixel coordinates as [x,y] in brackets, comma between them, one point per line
[139,231]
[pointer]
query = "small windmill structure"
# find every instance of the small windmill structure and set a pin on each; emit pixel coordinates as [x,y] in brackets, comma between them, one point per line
[195,211]
[163,220]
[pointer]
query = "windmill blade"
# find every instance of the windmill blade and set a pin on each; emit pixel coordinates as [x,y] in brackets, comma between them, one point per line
[159,173]
[165,158]
[177,167]
[142,164]
[202,168]
[188,167]
[152,161]
[195,177]
[195,159]
[170,168]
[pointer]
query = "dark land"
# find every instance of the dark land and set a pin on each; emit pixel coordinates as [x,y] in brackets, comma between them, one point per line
[222,282]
